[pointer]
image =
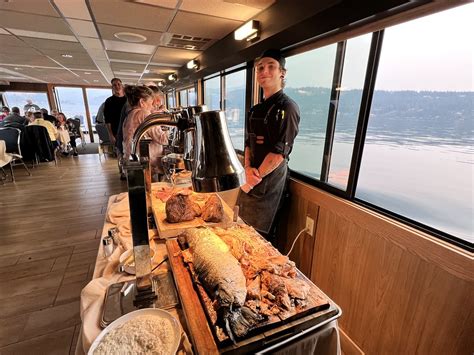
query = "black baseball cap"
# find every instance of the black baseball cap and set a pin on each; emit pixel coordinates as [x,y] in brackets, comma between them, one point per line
[275,54]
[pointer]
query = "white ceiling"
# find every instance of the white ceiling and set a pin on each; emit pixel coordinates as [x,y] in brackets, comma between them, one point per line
[35,36]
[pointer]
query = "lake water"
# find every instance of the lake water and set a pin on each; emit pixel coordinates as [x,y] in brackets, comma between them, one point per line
[432,184]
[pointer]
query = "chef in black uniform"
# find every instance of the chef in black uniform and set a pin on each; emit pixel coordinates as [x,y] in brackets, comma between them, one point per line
[270,131]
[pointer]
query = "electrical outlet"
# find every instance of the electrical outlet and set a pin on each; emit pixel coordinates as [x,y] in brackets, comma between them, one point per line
[309,225]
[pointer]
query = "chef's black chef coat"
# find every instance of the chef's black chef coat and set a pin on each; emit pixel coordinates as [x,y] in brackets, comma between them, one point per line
[270,127]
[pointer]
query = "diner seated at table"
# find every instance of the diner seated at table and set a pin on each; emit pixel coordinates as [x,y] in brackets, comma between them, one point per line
[29,117]
[47,116]
[52,131]
[14,117]
[63,134]
[74,130]
[5,112]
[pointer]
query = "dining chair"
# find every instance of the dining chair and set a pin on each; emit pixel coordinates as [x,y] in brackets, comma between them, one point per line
[41,143]
[5,159]
[104,139]
[75,131]
[12,137]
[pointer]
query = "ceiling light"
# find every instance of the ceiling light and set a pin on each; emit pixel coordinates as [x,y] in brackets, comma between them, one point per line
[193,64]
[87,73]
[189,46]
[18,68]
[66,55]
[96,81]
[248,31]
[172,77]
[130,37]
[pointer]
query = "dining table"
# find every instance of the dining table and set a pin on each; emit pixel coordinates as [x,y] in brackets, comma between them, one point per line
[321,337]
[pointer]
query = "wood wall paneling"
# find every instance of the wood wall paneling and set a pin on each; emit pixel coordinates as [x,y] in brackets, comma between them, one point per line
[401,291]
[302,253]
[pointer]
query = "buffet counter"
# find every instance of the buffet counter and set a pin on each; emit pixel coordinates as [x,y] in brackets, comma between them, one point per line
[320,336]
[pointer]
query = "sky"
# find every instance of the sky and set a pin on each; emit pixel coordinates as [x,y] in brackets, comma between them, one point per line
[432,53]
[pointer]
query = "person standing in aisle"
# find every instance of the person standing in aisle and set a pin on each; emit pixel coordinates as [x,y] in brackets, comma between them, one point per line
[270,131]
[30,106]
[112,108]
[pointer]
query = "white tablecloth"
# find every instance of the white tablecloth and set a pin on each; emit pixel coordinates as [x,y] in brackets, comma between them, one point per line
[106,273]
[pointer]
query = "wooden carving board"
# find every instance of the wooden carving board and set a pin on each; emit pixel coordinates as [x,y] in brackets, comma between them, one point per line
[198,324]
[198,327]
[167,230]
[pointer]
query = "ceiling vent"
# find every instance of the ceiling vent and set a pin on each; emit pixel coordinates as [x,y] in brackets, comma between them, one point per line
[187,42]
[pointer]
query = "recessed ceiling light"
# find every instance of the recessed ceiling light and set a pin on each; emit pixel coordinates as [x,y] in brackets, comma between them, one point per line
[189,46]
[18,68]
[130,37]
[87,73]
[66,55]
[129,71]
[96,81]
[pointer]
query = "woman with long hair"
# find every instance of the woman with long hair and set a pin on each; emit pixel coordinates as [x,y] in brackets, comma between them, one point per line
[142,101]
[63,133]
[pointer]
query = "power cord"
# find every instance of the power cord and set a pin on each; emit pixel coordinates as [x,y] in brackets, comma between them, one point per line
[294,241]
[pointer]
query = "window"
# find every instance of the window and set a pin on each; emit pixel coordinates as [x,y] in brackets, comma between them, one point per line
[350,94]
[183,98]
[95,98]
[212,93]
[171,100]
[18,99]
[308,83]
[234,99]
[71,102]
[417,159]
[192,98]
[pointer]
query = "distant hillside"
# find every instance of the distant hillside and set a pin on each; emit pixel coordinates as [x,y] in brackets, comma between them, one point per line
[444,115]
[433,117]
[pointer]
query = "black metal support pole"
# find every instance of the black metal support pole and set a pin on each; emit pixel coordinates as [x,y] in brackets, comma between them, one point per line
[139,223]
[364,113]
[332,114]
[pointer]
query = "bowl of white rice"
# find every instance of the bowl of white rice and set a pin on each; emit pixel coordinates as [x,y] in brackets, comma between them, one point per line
[146,331]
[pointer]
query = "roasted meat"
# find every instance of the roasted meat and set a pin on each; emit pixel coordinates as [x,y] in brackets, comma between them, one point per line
[179,208]
[271,277]
[222,277]
[213,210]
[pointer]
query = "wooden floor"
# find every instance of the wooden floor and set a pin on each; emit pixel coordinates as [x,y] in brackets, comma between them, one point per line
[50,225]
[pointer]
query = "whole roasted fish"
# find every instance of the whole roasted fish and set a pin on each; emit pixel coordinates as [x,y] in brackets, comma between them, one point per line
[222,276]
[216,266]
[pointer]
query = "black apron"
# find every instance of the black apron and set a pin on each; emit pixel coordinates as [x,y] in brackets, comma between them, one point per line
[259,206]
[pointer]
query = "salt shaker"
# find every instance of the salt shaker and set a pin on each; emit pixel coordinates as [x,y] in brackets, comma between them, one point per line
[108,243]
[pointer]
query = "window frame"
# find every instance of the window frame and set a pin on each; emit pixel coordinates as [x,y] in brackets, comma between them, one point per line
[87,119]
[248,88]
[359,141]
[214,76]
